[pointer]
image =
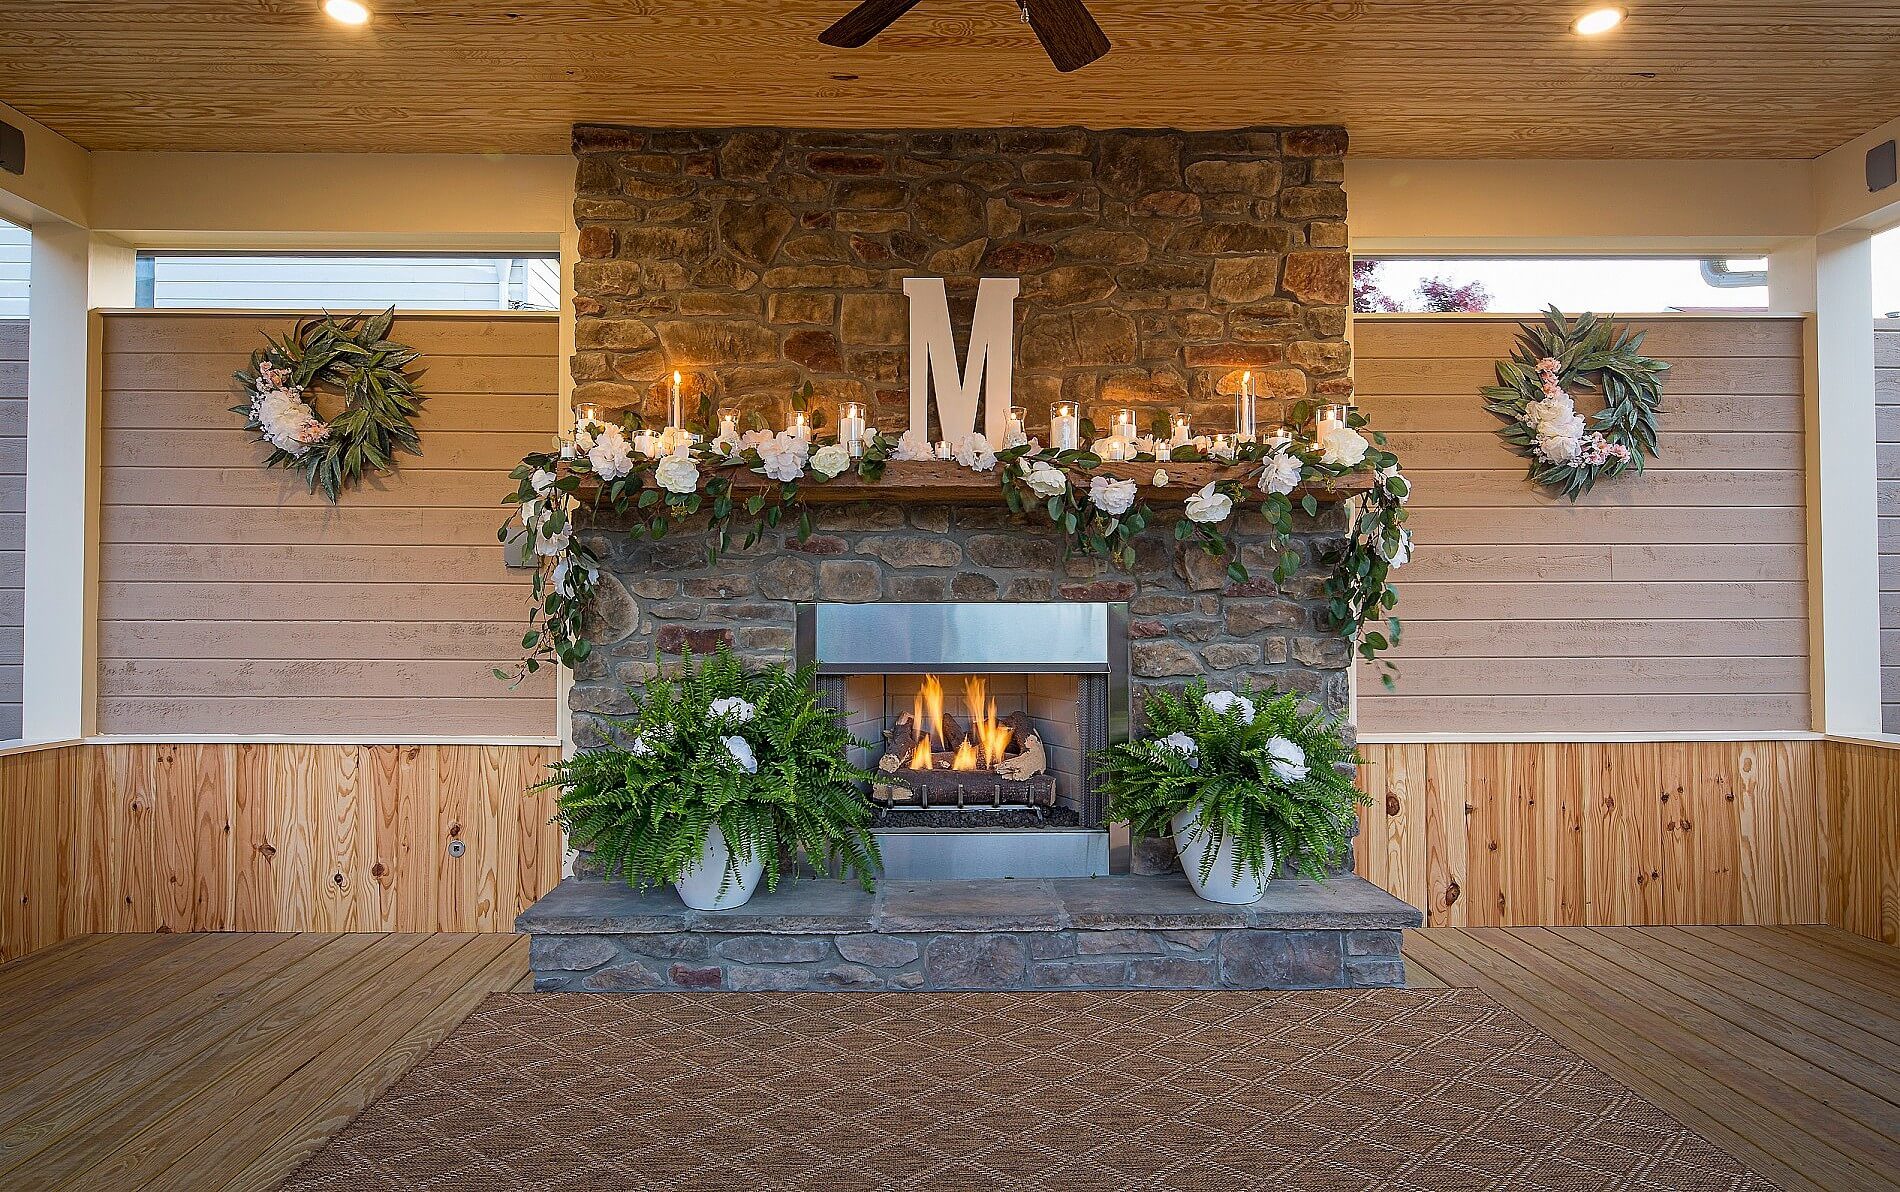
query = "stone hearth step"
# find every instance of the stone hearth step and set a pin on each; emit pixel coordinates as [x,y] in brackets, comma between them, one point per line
[1121,932]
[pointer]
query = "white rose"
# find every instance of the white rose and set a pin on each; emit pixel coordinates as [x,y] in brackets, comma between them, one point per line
[755,439]
[1541,413]
[1046,480]
[1224,450]
[1401,554]
[1222,702]
[741,751]
[1281,474]
[542,481]
[1289,760]
[830,461]
[1343,447]
[784,457]
[582,577]
[1391,472]
[554,544]
[1209,505]
[611,455]
[1184,745]
[731,710]
[973,452]
[1113,497]
[677,474]
[913,447]
[1161,478]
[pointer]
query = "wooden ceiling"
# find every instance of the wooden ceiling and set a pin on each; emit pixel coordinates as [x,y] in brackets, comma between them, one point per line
[1431,78]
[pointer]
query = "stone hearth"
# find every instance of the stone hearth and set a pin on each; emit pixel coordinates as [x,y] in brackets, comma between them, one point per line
[1072,933]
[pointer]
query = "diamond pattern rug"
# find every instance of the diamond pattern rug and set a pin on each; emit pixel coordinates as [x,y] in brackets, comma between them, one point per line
[1408,1089]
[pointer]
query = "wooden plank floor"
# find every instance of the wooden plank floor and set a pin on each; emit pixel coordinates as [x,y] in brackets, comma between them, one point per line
[221,1061]
[1780,1044]
[218,1061]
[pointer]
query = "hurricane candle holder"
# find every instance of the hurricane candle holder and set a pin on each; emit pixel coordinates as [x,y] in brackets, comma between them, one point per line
[1329,419]
[1244,425]
[1124,426]
[1065,429]
[851,428]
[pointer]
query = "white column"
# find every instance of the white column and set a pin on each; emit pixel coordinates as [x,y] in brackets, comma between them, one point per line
[61,504]
[1843,489]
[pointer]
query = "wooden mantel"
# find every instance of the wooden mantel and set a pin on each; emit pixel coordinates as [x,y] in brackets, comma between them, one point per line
[944,482]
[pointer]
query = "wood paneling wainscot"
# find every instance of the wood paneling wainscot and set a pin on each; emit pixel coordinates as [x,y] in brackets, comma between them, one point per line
[270,837]
[233,601]
[12,520]
[1887,432]
[1671,602]
[1490,834]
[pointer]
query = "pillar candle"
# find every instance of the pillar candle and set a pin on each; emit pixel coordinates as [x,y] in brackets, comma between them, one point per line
[851,428]
[1125,425]
[676,408]
[1065,431]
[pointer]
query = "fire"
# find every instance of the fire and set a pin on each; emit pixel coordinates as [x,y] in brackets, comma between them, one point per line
[920,758]
[927,713]
[966,757]
[992,736]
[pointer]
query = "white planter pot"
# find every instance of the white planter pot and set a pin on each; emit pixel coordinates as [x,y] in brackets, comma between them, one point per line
[699,886]
[1221,884]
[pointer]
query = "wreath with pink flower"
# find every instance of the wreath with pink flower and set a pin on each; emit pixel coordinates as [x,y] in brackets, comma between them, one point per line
[1535,396]
[321,361]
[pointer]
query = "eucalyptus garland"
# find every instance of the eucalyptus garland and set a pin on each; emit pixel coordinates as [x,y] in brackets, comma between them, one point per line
[1097,515]
[352,358]
[1552,360]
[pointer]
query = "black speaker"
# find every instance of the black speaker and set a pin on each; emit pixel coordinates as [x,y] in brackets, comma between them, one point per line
[1880,166]
[12,149]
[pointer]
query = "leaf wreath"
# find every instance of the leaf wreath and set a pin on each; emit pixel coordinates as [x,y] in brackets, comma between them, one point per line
[354,358]
[1590,354]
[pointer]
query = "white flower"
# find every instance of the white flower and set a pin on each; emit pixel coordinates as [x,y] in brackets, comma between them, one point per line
[1209,505]
[913,447]
[287,422]
[731,710]
[973,452]
[1391,472]
[1561,441]
[741,751]
[1343,447]
[784,457]
[542,481]
[1224,450]
[611,456]
[754,439]
[1289,760]
[554,544]
[530,510]
[1161,478]
[639,747]
[1538,414]
[1281,474]
[582,577]
[583,439]
[1222,702]
[830,461]
[1113,497]
[677,474]
[1184,745]
[1401,554]
[1046,480]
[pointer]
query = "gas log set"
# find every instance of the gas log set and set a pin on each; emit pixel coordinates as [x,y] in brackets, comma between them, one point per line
[932,761]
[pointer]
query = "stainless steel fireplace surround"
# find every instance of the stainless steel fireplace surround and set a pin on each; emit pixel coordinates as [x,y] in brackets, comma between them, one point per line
[1063,664]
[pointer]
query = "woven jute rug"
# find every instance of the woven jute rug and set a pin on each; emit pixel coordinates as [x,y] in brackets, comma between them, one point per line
[1389,1089]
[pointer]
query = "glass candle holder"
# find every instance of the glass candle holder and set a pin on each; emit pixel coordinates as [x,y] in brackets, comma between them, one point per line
[1124,426]
[1179,431]
[728,422]
[1065,427]
[1280,440]
[1329,419]
[851,428]
[676,405]
[1244,423]
[585,413]
[1014,429]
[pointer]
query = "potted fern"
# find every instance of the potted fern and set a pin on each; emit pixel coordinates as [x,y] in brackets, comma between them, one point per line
[716,779]
[1244,781]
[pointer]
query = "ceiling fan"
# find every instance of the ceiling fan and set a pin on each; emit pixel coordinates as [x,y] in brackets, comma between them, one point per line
[1064,27]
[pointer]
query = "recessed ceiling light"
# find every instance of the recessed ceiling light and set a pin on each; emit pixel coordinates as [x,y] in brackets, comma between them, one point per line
[347,12]
[1599,20]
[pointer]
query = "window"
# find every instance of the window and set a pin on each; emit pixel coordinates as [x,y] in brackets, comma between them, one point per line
[1631,285]
[349,281]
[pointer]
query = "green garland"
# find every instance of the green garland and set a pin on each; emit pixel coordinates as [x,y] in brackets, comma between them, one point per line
[1360,597]
[1533,396]
[352,357]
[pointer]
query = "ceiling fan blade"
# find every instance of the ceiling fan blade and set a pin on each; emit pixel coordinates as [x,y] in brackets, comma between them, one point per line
[1067,31]
[864,22]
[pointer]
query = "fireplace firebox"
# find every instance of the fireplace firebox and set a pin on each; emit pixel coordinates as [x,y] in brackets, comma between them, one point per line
[982,723]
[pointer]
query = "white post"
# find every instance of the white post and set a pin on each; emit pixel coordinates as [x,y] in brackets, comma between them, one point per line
[1843,489]
[61,489]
